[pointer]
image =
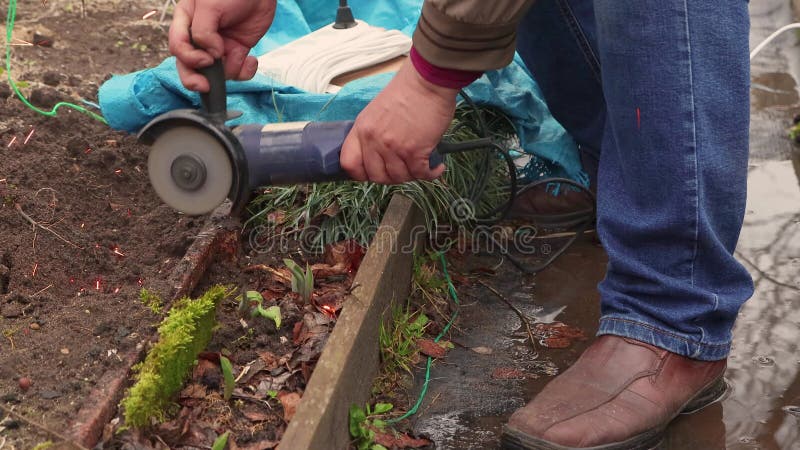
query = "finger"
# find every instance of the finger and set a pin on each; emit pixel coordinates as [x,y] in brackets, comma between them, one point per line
[205,32]
[438,171]
[191,79]
[180,42]
[396,169]
[249,68]
[375,166]
[235,55]
[351,158]
[420,169]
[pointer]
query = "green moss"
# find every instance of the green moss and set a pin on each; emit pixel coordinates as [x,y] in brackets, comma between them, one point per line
[183,334]
[151,300]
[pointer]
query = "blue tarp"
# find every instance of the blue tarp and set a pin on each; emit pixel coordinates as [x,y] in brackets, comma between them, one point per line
[129,101]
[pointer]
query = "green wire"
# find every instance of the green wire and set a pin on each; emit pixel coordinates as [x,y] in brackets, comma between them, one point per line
[10,18]
[452,290]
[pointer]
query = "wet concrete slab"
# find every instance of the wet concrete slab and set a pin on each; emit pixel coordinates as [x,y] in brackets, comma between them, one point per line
[471,395]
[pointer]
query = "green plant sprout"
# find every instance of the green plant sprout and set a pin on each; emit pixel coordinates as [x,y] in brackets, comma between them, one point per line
[364,422]
[302,283]
[183,334]
[253,301]
[398,340]
[227,375]
[151,300]
[221,441]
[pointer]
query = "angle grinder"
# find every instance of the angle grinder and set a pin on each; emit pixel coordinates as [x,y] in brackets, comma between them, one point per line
[196,161]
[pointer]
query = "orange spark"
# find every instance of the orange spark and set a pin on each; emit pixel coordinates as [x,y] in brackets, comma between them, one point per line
[27,138]
[35,267]
[14,139]
[118,171]
[116,291]
[97,284]
[117,252]
[149,15]
[88,150]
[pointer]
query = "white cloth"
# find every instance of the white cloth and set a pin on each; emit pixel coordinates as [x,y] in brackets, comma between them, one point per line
[311,62]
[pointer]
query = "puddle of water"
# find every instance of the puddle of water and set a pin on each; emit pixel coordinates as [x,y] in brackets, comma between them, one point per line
[769,90]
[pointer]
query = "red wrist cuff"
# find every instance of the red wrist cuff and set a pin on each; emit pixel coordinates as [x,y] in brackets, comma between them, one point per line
[449,78]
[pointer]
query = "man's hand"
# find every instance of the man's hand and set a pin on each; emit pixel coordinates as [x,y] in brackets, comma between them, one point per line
[225,29]
[393,137]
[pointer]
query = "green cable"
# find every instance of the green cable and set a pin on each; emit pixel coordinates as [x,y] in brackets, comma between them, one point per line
[10,18]
[452,290]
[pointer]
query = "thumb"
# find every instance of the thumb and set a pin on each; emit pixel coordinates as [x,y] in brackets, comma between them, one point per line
[351,158]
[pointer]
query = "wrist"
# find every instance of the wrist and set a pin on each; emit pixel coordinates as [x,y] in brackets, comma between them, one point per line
[440,76]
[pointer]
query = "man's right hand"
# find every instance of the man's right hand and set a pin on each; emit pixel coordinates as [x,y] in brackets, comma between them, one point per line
[225,29]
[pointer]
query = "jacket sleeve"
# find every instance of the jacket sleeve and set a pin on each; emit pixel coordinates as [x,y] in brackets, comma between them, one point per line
[475,35]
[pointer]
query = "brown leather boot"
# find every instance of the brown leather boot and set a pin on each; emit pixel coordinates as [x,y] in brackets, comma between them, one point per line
[620,394]
[540,206]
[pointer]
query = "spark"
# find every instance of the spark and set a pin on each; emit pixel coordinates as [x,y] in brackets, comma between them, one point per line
[329,310]
[71,280]
[140,281]
[28,137]
[116,291]
[3,180]
[118,171]
[14,139]
[35,267]
[88,150]
[149,15]
[117,252]
[638,118]
[22,42]
[97,284]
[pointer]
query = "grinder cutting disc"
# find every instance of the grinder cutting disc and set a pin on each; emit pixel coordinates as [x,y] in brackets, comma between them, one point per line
[190,169]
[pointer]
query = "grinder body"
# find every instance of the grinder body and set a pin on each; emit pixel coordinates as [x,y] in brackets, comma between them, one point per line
[293,152]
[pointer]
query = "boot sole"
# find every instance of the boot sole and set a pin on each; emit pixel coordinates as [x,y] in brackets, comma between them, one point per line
[651,439]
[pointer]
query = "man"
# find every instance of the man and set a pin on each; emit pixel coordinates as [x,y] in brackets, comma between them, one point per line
[658,92]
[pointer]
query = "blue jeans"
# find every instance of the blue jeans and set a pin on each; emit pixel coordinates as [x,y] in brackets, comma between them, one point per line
[657,91]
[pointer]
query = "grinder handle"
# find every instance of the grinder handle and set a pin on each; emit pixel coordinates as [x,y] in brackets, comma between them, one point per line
[215,101]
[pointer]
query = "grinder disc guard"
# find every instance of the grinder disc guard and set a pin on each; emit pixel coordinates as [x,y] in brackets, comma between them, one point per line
[190,169]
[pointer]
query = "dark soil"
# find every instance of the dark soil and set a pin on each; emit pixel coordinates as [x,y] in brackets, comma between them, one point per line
[69,286]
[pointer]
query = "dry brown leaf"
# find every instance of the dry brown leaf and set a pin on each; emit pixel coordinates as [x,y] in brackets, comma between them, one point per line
[508,373]
[429,348]
[194,390]
[556,342]
[350,253]
[399,440]
[482,350]
[255,414]
[289,401]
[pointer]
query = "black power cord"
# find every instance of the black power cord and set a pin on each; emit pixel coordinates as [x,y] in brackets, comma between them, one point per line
[580,220]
